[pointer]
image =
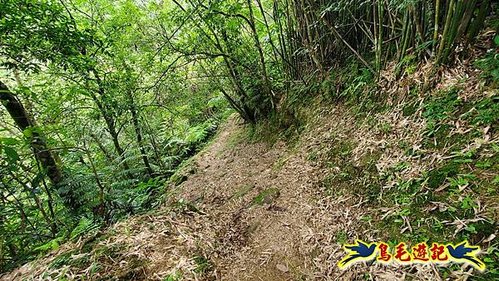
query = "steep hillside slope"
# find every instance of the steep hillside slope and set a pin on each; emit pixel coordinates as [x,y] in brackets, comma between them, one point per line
[424,169]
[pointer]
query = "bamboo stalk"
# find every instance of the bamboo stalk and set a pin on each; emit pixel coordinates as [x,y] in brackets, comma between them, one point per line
[443,40]
[456,19]
[338,35]
[477,23]
[405,35]
[435,28]
[380,34]
[468,13]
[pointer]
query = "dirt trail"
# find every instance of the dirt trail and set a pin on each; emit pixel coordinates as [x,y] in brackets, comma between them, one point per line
[267,217]
[254,240]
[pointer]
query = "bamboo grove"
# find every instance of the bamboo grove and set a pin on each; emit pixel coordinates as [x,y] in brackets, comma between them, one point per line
[378,32]
[103,100]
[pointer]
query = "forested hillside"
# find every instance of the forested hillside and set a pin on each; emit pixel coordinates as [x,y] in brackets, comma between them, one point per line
[245,139]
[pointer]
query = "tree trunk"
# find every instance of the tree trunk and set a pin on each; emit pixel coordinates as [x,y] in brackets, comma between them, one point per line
[265,77]
[23,121]
[110,122]
[138,133]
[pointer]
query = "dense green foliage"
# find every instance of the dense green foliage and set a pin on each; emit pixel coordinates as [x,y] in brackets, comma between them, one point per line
[105,99]
[117,113]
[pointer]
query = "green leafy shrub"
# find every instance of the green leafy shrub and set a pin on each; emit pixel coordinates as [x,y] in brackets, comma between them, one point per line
[490,65]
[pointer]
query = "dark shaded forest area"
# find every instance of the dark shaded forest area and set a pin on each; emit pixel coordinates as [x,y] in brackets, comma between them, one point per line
[103,101]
